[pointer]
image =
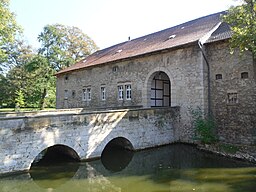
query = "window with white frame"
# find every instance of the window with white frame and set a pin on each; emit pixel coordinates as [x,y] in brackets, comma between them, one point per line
[120,92]
[86,96]
[66,94]
[103,93]
[89,94]
[128,91]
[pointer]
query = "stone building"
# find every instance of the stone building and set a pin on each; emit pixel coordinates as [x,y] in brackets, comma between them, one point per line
[188,65]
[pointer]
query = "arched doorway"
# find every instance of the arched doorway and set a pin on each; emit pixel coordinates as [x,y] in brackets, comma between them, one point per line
[160,90]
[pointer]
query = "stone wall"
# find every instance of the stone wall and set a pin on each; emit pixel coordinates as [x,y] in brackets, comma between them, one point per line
[233,88]
[184,67]
[23,138]
[233,96]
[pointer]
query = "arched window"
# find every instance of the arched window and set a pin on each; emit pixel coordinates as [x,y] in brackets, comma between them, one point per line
[160,90]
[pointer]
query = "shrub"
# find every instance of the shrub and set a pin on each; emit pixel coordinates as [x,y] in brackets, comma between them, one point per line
[19,99]
[204,126]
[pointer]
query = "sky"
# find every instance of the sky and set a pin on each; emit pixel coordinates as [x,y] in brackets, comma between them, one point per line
[109,22]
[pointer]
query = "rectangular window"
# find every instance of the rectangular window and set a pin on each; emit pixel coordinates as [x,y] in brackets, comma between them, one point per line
[103,93]
[66,94]
[86,96]
[73,94]
[128,91]
[244,75]
[120,92]
[218,76]
[89,94]
[232,98]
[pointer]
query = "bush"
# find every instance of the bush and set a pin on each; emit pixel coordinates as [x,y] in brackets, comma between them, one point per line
[204,127]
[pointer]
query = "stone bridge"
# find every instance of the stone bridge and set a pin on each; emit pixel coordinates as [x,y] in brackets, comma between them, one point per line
[23,137]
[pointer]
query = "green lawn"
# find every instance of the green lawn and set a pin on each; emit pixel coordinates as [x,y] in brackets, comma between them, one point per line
[23,109]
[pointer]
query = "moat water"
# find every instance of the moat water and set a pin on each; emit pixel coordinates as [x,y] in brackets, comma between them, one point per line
[173,168]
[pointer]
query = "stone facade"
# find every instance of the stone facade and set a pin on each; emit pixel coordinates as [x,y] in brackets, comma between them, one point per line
[188,65]
[23,138]
[187,72]
[233,84]
[183,66]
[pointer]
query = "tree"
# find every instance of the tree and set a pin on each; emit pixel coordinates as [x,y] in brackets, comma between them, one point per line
[19,99]
[16,80]
[64,45]
[242,20]
[4,93]
[43,83]
[18,53]
[8,30]
[32,82]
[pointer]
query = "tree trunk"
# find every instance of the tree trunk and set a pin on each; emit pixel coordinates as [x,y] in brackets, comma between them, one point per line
[42,102]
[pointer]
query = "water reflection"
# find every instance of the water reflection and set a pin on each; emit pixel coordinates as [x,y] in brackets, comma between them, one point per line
[57,164]
[171,168]
[116,157]
[58,174]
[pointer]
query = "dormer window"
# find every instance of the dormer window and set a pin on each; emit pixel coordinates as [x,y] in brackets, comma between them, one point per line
[171,36]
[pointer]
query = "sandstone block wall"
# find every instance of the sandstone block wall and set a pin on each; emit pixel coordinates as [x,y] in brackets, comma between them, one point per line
[23,138]
[233,96]
[184,67]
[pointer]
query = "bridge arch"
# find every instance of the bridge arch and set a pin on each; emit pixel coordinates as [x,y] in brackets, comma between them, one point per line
[54,152]
[117,154]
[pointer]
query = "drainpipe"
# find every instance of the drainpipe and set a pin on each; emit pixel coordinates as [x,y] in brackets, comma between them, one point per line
[208,79]
[201,42]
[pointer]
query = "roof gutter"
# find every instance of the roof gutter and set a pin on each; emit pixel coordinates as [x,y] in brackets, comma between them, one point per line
[201,43]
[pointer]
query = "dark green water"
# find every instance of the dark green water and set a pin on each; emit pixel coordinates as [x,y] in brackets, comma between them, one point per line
[167,169]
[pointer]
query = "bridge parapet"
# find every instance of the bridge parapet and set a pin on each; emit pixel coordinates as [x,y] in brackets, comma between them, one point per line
[24,137]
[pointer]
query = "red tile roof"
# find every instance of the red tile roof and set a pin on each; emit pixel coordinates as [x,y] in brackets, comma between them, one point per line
[179,35]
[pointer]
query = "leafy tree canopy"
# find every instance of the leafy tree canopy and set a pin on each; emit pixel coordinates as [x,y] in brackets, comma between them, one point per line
[18,53]
[8,29]
[242,20]
[43,80]
[64,45]
[32,82]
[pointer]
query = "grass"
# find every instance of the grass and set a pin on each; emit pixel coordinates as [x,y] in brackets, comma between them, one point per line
[6,110]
